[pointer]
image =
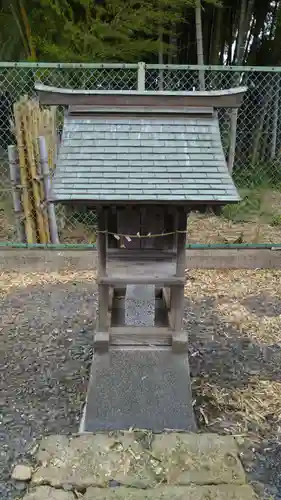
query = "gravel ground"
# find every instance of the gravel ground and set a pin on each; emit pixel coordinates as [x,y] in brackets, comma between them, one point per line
[46,329]
[47,320]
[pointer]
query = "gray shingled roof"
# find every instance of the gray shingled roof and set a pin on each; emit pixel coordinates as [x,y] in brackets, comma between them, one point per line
[143,158]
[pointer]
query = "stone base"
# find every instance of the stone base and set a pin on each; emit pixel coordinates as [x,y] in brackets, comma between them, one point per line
[147,388]
[139,465]
[224,492]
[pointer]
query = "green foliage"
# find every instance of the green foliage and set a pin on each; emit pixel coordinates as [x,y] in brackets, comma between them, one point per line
[276,220]
[109,31]
[258,204]
[256,175]
[248,209]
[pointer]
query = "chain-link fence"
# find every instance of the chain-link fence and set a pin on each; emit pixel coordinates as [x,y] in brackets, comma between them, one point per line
[257,137]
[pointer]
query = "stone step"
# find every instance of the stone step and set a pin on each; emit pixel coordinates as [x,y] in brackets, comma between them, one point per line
[138,459]
[225,492]
[138,464]
[193,492]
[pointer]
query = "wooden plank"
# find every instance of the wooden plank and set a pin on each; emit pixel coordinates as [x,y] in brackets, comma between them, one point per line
[103,308]
[179,342]
[137,336]
[177,293]
[141,340]
[116,281]
[80,97]
[81,110]
[167,297]
[16,192]
[102,242]
[101,342]
[140,330]
[139,255]
[180,243]
[177,307]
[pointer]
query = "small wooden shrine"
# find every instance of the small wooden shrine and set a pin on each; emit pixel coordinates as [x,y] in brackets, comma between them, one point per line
[144,160]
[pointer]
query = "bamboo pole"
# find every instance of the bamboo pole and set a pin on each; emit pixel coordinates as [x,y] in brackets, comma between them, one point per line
[46,175]
[32,122]
[36,121]
[29,224]
[15,181]
[35,178]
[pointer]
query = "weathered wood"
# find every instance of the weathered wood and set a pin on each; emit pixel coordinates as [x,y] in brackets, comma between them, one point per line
[231,98]
[166,292]
[15,182]
[110,300]
[177,293]
[116,281]
[79,111]
[125,339]
[102,242]
[128,222]
[140,330]
[103,308]
[101,342]
[181,242]
[44,161]
[179,342]
[140,255]
[177,307]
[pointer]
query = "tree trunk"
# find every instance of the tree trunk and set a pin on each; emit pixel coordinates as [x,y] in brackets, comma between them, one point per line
[239,48]
[172,54]
[238,59]
[217,36]
[161,60]
[199,40]
[275,117]
[257,138]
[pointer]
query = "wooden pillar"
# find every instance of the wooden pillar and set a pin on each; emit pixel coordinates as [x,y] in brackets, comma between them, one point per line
[179,338]
[102,242]
[101,342]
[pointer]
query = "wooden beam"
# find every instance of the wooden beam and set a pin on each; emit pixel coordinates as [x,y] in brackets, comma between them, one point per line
[133,336]
[102,242]
[179,342]
[180,243]
[117,281]
[101,342]
[103,316]
[230,98]
[80,111]
[177,293]
[140,255]
[140,330]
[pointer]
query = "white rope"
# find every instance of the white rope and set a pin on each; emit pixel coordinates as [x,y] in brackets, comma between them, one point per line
[129,237]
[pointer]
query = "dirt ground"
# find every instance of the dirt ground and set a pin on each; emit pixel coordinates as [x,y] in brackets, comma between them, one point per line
[47,321]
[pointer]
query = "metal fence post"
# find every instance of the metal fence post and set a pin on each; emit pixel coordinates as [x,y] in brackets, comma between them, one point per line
[141,76]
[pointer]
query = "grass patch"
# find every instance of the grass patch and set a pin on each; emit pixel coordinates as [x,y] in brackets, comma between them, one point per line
[255,206]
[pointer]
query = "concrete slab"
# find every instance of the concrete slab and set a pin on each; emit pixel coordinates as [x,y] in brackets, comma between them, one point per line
[208,459]
[48,493]
[147,388]
[140,305]
[223,492]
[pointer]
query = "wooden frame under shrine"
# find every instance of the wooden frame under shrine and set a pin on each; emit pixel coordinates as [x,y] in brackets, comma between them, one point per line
[164,268]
